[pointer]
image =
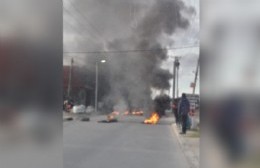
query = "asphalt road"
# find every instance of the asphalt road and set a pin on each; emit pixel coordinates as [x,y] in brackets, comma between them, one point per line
[126,144]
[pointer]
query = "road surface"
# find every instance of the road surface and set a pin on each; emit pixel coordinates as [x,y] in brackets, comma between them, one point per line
[126,144]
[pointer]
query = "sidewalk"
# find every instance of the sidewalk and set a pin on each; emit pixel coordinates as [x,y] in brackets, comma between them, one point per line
[190,144]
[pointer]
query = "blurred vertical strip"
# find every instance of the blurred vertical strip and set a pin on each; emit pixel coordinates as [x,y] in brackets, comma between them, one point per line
[230,83]
[31,49]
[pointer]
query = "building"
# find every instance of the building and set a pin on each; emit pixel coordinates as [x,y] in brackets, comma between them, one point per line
[81,92]
[194,100]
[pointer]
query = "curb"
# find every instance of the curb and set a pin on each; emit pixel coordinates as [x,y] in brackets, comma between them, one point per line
[177,135]
[187,155]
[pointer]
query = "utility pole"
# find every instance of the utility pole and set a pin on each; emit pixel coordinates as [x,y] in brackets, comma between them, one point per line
[177,81]
[176,65]
[70,75]
[196,76]
[173,80]
[96,89]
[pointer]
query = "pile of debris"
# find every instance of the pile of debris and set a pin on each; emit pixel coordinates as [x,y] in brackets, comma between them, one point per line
[78,112]
[110,119]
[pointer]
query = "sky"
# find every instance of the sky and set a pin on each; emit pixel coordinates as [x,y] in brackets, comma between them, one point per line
[90,24]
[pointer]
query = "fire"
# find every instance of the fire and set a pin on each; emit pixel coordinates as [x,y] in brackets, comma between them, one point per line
[137,113]
[126,113]
[110,117]
[153,119]
[115,113]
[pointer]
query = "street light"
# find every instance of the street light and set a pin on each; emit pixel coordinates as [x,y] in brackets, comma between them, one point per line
[103,61]
[96,85]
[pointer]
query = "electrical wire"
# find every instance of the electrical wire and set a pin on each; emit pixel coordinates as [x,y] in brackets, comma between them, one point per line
[127,51]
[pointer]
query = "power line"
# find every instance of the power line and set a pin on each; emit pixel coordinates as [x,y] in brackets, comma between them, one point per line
[97,33]
[81,24]
[127,51]
[72,27]
[78,33]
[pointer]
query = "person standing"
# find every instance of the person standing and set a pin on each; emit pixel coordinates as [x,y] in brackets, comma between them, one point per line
[183,111]
[175,111]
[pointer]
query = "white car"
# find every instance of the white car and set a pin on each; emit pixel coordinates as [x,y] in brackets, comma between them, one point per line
[79,109]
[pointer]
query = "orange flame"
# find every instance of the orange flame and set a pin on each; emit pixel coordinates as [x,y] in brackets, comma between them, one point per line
[110,117]
[115,113]
[126,113]
[153,119]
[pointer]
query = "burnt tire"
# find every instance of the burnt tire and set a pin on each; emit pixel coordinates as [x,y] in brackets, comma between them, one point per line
[84,119]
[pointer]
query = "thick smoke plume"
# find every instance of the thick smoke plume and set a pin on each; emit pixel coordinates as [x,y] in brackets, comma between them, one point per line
[127,78]
[132,75]
[161,103]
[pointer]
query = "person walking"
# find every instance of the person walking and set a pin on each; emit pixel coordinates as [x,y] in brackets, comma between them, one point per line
[183,111]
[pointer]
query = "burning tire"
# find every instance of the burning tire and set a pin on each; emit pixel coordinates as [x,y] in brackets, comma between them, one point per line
[110,119]
[154,119]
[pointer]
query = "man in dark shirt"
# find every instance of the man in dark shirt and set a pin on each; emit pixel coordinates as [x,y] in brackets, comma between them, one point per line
[183,111]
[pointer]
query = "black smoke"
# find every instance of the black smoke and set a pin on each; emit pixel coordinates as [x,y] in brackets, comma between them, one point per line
[133,74]
[130,76]
[161,103]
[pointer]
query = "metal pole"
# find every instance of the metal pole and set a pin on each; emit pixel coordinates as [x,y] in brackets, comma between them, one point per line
[196,76]
[70,74]
[173,81]
[96,88]
[177,81]
[173,85]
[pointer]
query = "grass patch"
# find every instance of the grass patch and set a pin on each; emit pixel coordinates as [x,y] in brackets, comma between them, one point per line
[193,134]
